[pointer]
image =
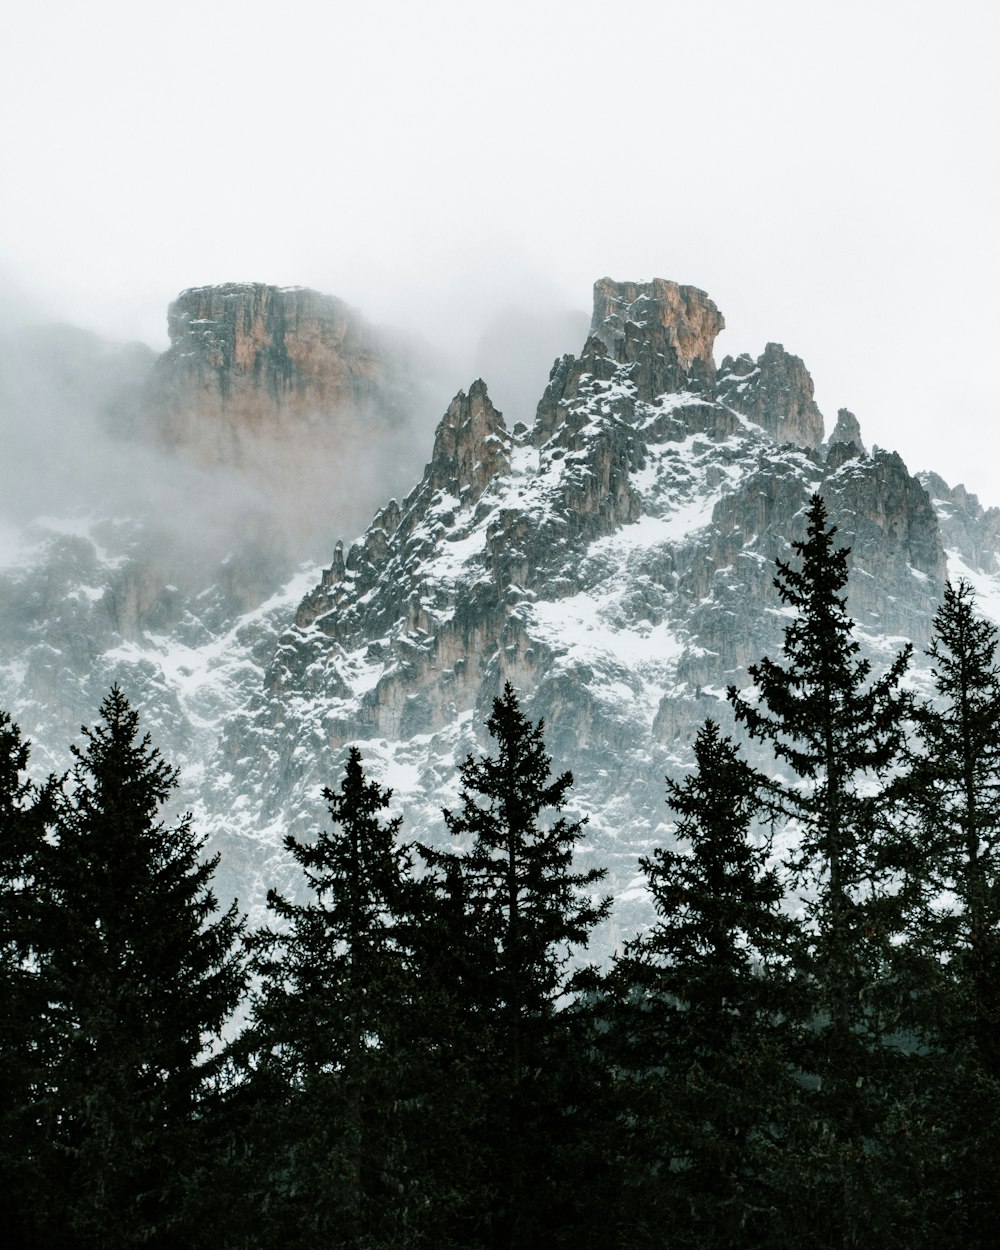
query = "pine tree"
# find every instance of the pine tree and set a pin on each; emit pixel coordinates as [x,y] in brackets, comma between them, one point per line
[953,787]
[529,911]
[142,974]
[328,1031]
[701,1034]
[840,733]
[25,813]
[518,872]
[955,783]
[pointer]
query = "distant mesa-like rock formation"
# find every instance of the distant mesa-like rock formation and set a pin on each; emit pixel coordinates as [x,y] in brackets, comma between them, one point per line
[292,392]
[249,362]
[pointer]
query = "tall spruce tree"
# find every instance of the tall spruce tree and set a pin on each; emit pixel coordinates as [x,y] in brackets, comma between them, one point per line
[25,814]
[840,732]
[701,1037]
[142,974]
[328,1036]
[529,910]
[953,787]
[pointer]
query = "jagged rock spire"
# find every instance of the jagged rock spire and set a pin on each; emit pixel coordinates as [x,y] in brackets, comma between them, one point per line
[847,430]
[654,338]
[775,391]
[471,446]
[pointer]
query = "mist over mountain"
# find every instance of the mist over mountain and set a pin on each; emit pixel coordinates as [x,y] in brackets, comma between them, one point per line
[605,540]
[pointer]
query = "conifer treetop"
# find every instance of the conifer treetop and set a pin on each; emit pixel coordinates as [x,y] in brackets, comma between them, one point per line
[822,695]
[519,870]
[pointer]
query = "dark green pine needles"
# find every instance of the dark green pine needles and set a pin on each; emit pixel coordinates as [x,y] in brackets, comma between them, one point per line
[142,974]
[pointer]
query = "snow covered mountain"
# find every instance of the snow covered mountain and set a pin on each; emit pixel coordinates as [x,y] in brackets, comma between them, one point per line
[614,560]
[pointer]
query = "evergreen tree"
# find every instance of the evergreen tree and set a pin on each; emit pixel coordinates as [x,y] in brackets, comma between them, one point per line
[142,974]
[328,1033]
[25,813]
[515,889]
[953,787]
[840,733]
[452,1027]
[701,1034]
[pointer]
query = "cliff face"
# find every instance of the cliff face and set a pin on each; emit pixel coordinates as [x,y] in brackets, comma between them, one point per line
[774,391]
[665,331]
[250,363]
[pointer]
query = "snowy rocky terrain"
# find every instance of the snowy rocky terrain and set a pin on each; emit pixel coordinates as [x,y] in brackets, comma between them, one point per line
[614,560]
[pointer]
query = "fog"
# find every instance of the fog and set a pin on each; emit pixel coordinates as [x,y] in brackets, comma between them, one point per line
[828,173]
[84,443]
[82,436]
[82,439]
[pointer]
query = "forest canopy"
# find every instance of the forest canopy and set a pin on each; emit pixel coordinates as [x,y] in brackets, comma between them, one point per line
[414,1051]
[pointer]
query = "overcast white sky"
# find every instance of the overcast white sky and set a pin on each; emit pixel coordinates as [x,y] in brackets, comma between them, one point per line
[828,172]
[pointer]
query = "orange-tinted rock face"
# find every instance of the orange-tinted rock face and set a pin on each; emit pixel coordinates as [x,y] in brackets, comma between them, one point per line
[667,331]
[306,406]
[249,362]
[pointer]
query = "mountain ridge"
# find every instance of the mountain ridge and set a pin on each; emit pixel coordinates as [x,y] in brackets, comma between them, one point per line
[614,560]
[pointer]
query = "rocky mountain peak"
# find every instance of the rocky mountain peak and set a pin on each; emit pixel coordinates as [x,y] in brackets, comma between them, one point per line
[776,392]
[847,430]
[617,562]
[471,445]
[665,331]
[648,341]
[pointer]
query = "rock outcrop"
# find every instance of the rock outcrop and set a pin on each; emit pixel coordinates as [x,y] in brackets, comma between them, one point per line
[249,363]
[471,446]
[970,532]
[847,430]
[664,331]
[774,391]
